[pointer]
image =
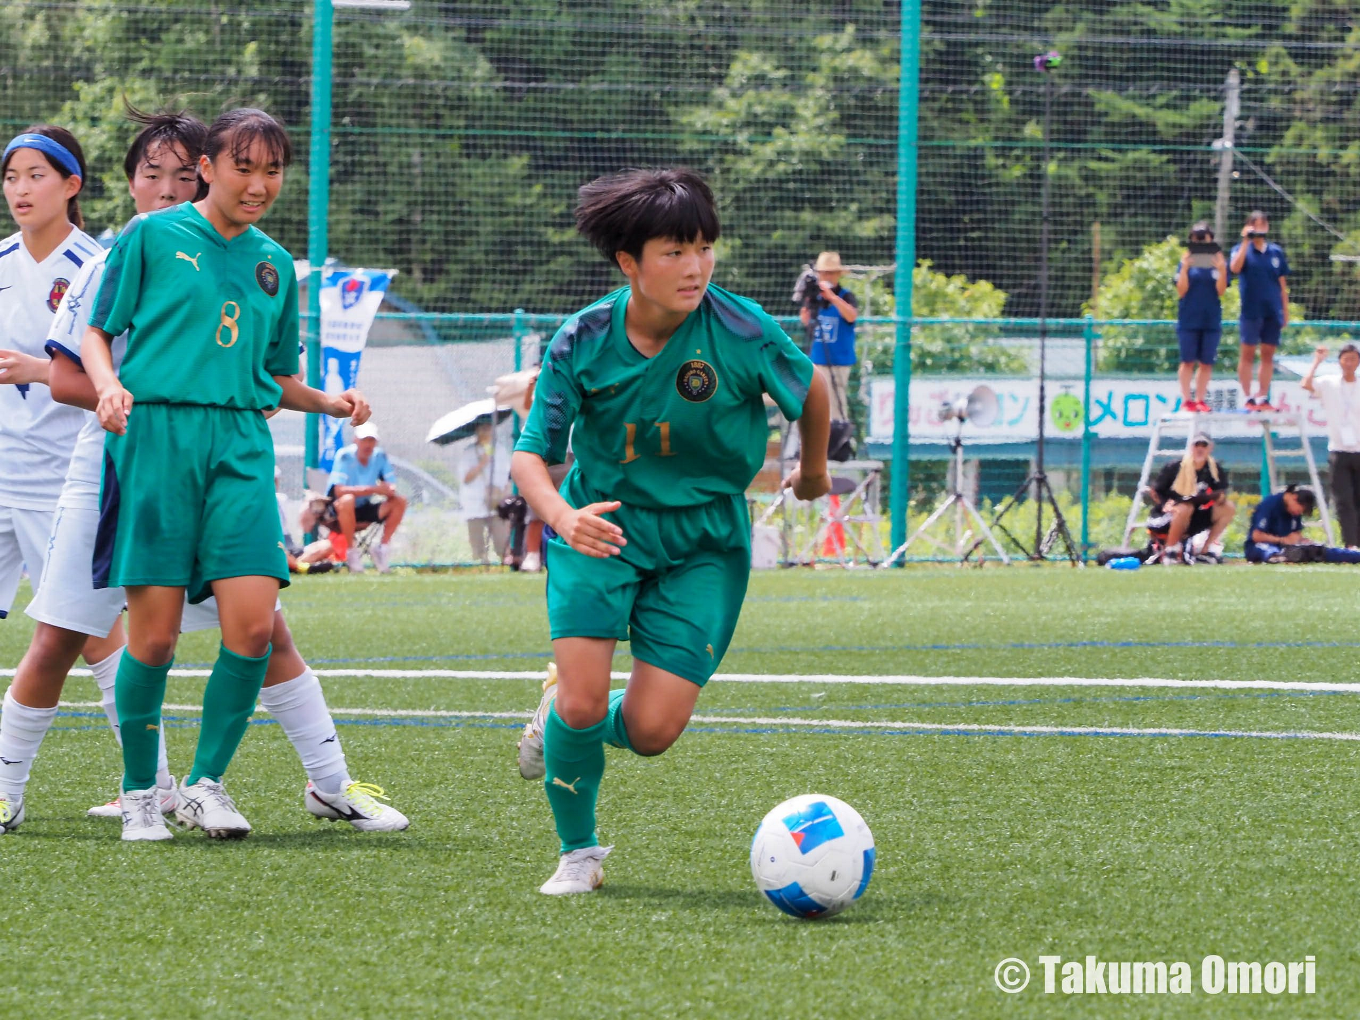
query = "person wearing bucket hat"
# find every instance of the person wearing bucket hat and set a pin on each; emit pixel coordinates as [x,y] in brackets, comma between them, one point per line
[1193,496]
[830,314]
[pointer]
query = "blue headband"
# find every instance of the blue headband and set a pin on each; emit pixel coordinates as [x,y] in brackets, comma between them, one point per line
[55,151]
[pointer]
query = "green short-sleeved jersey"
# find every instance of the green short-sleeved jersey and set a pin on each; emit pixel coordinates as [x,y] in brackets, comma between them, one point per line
[674,430]
[209,321]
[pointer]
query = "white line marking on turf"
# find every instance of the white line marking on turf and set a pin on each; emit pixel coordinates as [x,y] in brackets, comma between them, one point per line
[1005,729]
[840,678]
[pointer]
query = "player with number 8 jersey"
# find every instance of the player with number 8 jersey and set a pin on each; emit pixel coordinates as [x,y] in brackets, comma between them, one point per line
[210,322]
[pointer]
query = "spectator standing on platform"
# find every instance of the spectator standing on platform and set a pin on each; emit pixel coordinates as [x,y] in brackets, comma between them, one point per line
[1199,319]
[1262,279]
[830,313]
[1340,396]
[485,484]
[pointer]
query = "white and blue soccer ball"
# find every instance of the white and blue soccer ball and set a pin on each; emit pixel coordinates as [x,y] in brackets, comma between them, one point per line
[812,856]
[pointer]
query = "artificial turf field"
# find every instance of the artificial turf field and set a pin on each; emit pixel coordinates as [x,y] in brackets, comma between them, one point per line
[996,836]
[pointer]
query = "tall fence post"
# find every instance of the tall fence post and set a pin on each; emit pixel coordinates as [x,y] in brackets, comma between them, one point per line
[318,207]
[519,332]
[1089,336]
[907,150]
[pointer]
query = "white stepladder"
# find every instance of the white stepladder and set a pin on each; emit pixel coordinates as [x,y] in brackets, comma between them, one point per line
[1173,425]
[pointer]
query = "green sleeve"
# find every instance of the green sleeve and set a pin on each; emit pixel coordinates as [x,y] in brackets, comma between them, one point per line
[121,289]
[557,399]
[282,356]
[784,371]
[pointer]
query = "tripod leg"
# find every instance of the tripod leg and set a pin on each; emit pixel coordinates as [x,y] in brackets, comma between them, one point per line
[935,515]
[986,532]
[1059,527]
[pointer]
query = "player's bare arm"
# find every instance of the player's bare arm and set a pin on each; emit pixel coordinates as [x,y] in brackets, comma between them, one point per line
[809,479]
[70,385]
[298,396]
[114,403]
[18,369]
[584,529]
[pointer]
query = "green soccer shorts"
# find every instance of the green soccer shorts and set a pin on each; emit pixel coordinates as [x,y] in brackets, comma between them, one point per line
[188,498]
[675,591]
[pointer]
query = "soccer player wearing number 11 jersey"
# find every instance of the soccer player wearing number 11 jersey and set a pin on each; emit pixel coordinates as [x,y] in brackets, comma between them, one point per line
[665,382]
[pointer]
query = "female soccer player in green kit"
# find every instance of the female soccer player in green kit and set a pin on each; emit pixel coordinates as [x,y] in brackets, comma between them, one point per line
[210,306]
[664,381]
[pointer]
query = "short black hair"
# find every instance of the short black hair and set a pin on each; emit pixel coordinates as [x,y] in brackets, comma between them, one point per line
[623,211]
[1202,227]
[236,130]
[1348,348]
[164,127]
[1307,500]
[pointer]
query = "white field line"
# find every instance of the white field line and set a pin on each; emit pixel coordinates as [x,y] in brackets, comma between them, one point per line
[841,678]
[1008,729]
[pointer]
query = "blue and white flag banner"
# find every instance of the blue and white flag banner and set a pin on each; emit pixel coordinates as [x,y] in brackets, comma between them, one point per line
[350,299]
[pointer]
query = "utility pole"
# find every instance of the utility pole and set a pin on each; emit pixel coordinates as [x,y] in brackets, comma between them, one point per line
[1232,103]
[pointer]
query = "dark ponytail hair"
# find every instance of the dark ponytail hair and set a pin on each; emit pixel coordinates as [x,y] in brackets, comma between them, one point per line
[236,130]
[165,128]
[67,141]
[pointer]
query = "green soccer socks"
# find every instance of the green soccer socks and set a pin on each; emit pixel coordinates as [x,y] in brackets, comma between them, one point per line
[138,692]
[575,764]
[616,734]
[228,702]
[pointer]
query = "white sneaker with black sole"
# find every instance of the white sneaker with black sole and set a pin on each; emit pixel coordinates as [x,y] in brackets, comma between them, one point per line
[531,741]
[11,813]
[142,818]
[578,871]
[358,804]
[207,806]
[114,808]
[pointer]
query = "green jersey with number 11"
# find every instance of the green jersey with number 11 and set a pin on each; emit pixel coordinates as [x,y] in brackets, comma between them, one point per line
[209,321]
[677,429]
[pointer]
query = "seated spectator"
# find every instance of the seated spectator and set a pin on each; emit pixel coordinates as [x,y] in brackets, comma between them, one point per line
[312,559]
[361,491]
[1276,533]
[484,486]
[1278,524]
[1193,496]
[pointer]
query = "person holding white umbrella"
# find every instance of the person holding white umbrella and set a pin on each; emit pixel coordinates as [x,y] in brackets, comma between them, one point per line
[484,470]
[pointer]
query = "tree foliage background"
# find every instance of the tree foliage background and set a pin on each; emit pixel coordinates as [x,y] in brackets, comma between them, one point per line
[462,129]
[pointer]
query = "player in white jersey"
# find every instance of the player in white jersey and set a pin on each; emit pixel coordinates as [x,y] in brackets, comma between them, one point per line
[161,172]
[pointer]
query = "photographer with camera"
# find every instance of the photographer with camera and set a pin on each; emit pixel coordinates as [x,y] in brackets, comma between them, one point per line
[829,312]
[1261,270]
[1193,496]
[1201,279]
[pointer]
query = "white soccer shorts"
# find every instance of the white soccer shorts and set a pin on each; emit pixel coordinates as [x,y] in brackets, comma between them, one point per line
[23,542]
[67,597]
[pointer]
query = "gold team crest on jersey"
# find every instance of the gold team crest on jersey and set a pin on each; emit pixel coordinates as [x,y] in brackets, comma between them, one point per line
[696,381]
[267,277]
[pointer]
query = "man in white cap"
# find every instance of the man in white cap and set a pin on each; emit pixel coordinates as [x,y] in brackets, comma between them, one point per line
[360,474]
[830,313]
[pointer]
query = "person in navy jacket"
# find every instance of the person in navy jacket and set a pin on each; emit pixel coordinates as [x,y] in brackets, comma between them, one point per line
[1199,320]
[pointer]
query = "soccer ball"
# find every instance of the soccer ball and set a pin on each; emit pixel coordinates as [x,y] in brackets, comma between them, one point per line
[812,856]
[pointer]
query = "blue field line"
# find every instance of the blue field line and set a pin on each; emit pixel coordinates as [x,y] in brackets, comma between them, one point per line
[979,646]
[190,722]
[1009,702]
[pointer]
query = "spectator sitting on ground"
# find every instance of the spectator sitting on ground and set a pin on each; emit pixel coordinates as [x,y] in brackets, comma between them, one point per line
[1193,496]
[361,491]
[1278,524]
[315,558]
[1276,533]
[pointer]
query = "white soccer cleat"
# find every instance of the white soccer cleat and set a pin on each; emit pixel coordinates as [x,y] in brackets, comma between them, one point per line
[142,818]
[382,558]
[206,806]
[357,804]
[114,808]
[578,871]
[11,813]
[531,742]
[354,560]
